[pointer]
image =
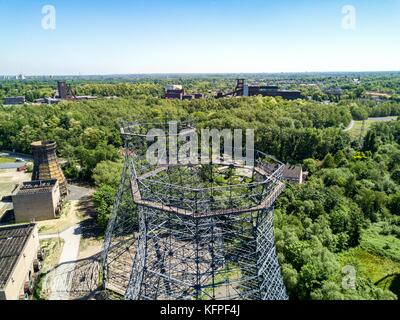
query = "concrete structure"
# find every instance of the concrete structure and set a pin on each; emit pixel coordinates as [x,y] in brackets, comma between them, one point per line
[45,164]
[18,261]
[36,201]
[14,100]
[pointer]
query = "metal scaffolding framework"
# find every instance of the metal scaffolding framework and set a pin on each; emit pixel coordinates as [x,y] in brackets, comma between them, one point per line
[178,233]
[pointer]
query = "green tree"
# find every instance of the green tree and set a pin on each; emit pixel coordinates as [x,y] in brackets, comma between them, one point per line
[103,201]
[108,173]
[329,161]
[310,165]
[395,204]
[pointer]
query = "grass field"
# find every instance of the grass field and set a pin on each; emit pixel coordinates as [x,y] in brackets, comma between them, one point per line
[7,160]
[374,242]
[382,271]
[356,130]
[377,258]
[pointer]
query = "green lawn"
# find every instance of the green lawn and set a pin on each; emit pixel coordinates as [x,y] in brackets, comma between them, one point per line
[7,160]
[356,130]
[384,272]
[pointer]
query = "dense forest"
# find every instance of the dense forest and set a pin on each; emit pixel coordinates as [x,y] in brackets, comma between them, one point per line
[346,214]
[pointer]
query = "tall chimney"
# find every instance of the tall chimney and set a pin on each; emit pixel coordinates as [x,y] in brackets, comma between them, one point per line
[46,166]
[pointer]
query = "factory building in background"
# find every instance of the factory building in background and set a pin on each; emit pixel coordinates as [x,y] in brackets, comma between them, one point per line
[64,92]
[244,90]
[177,92]
[14,100]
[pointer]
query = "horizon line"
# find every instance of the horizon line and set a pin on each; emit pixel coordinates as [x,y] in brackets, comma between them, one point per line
[195,73]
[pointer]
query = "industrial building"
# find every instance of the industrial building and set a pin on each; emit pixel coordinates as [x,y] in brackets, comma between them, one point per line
[291,173]
[36,201]
[14,100]
[63,92]
[177,92]
[338,92]
[45,164]
[66,92]
[244,90]
[19,262]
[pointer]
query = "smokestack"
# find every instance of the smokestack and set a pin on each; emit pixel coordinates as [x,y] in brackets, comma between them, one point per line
[46,166]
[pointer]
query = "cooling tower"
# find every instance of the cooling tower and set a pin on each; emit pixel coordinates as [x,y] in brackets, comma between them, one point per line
[46,166]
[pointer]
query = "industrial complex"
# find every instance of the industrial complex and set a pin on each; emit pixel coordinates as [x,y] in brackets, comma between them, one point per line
[242,90]
[64,92]
[41,198]
[177,92]
[37,200]
[245,90]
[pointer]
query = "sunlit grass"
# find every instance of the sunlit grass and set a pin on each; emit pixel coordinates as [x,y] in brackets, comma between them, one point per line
[7,160]
[355,132]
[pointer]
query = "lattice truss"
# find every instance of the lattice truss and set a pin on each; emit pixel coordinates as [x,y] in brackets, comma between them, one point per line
[177,232]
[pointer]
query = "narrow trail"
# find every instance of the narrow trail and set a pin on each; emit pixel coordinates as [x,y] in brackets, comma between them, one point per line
[350,126]
[61,283]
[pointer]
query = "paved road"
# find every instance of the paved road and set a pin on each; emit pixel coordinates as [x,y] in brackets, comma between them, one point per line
[377,119]
[25,157]
[383,119]
[62,281]
[77,192]
[12,165]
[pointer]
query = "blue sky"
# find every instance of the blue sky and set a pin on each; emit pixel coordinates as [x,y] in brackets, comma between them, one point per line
[202,36]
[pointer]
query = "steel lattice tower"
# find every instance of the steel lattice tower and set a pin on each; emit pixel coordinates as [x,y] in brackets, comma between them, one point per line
[175,234]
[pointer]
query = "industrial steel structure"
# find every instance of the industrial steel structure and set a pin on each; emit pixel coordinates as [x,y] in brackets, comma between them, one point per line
[177,232]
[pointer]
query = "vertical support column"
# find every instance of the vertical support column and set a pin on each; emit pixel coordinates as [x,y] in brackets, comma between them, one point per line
[269,271]
[139,263]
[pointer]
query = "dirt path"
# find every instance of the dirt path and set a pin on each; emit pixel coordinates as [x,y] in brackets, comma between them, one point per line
[350,126]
